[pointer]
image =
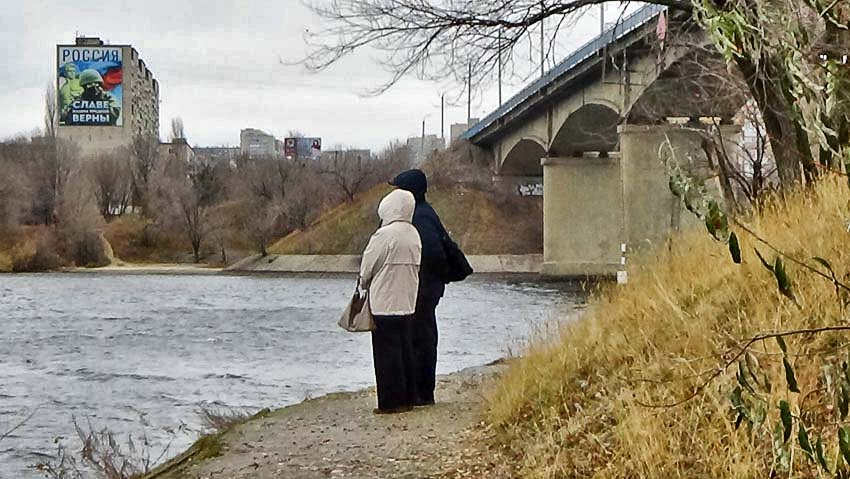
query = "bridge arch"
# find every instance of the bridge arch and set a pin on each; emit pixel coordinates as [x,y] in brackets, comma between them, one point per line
[523,159]
[591,127]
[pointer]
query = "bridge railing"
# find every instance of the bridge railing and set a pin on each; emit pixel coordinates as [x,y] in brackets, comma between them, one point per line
[621,29]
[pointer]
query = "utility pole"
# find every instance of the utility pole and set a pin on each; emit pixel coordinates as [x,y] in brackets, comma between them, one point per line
[469,95]
[601,32]
[443,118]
[500,67]
[601,18]
[542,42]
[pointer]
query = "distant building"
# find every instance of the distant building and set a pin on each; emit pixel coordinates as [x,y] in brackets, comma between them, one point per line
[255,143]
[421,147]
[105,95]
[178,149]
[217,154]
[458,129]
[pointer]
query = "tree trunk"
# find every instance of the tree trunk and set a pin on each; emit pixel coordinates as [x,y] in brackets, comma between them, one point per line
[789,141]
[196,251]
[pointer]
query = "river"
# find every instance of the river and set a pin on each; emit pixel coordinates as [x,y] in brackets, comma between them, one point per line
[141,354]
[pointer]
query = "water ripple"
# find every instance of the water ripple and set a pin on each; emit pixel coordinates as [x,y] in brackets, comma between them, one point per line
[140,354]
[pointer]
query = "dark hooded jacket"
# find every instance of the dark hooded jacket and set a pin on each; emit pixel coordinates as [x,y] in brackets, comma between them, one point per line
[431,231]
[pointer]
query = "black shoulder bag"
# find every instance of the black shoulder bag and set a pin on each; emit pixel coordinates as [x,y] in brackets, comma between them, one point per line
[458,266]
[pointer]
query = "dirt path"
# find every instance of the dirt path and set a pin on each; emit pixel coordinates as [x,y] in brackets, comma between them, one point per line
[338,436]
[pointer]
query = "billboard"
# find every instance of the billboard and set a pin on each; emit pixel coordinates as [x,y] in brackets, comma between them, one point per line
[90,86]
[302,148]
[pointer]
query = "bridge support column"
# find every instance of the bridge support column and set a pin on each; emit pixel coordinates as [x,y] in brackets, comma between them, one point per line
[651,210]
[582,216]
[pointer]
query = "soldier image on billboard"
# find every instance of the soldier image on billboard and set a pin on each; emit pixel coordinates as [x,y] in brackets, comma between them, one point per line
[71,88]
[94,106]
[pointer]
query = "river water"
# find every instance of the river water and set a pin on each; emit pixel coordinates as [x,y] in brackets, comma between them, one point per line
[141,354]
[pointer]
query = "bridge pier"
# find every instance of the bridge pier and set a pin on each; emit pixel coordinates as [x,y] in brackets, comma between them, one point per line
[652,212]
[591,205]
[582,216]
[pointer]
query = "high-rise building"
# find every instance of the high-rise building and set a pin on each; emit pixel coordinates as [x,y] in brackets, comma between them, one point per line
[421,147]
[258,144]
[106,95]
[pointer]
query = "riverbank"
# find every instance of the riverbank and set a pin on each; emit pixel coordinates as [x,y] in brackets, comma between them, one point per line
[489,265]
[338,436]
[295,263]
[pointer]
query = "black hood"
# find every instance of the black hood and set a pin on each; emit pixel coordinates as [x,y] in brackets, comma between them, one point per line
[413,181]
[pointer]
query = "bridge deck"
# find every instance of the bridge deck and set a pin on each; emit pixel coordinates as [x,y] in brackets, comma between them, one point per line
[630,23]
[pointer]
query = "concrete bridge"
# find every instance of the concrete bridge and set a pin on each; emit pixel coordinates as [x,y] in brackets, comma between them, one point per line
[592,127]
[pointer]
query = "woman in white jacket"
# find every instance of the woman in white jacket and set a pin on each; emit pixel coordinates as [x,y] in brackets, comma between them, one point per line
[390,272]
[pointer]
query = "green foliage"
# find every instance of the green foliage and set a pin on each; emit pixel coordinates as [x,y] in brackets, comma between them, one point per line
[749,401]
[698,202]
[734,248]
[790,377]
[796,48]
[785,416]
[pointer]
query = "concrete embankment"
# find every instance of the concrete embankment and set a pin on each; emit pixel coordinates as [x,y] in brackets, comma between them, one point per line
[338,436]
[483,264]
[145,269]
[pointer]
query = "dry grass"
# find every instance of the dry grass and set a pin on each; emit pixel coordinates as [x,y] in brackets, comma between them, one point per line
[482,222]
[342,230]
[137,240]
[216,420]
[572,407]
[480,216]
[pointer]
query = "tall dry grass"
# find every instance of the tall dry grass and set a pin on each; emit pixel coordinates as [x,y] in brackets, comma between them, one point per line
[592,402]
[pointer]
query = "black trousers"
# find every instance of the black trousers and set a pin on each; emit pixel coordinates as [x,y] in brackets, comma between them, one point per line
[392,351]
[425,346]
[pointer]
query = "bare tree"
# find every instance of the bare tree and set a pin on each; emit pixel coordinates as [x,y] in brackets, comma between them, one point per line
[42,165]
[15,195]
[112,180]
[80,224]
[261,189]
[15,185]
[442,40]
[187,201]
[308,196]
[145,152]
[349,171]
[792,62]
[177,129]
[51,114]
[745,167]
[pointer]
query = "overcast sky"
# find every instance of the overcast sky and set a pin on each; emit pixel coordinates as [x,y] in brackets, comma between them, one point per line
[218,65]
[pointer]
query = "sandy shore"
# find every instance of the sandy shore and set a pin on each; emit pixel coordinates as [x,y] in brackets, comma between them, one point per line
[338,436]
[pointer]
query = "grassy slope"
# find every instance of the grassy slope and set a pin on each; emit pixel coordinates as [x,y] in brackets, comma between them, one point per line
[481,222]
[572,406]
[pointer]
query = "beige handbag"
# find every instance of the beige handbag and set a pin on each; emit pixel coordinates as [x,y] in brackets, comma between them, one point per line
[357,317]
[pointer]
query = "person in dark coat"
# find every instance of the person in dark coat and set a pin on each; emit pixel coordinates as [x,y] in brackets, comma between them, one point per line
[432,284]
